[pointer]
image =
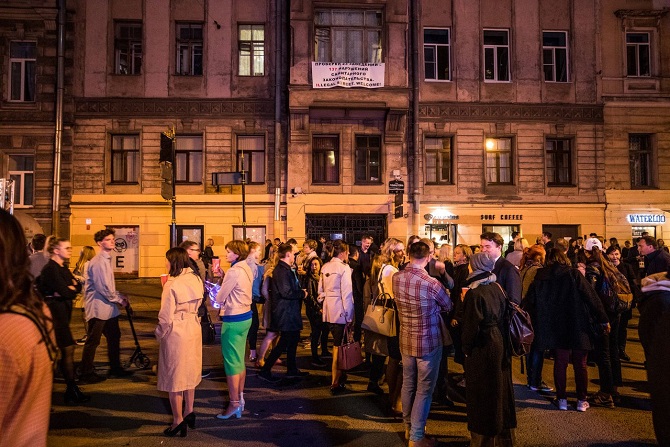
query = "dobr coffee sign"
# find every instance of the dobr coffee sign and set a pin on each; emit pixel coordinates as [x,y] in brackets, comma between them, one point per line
[125,256]
[396,187]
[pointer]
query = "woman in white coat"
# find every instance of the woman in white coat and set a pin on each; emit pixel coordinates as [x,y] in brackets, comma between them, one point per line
[180,337]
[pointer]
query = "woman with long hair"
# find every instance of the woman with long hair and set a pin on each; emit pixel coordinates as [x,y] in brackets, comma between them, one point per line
[86,254]
[27,351]
[601,274]
[271,331]
[531,262]
[314,311]
[235,298]
[520,246]
[562,305]
[614,255]
[253,260]
[180,339]
[384,266]
[462,254]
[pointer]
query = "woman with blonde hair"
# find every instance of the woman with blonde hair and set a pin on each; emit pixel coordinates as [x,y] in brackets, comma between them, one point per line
[384,266]
[515,257]
[271,332]
[86,254]
[235,298]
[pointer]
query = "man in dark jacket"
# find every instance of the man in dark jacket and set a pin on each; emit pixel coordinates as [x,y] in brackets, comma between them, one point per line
[655,260]
[506,274]
[357,283]
[287,296]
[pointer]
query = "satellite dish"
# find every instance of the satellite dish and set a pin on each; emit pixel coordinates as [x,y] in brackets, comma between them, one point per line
[428,216]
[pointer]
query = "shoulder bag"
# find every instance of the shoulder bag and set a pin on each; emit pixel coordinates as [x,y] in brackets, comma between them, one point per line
[521,334]
[349,352]
[380,314]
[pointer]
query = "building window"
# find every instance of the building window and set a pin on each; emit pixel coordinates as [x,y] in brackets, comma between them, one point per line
[559,162]
[251,41]
[438,160]
[325,159]
[638,59]
[368,159]
[555,56]
[128,48]
[499,161]
[189,49]
[639,153]
[22,171]
[125,158]
[348,36]
[252,147]
[436,54]
[22,62]
[188,159]
[496,55]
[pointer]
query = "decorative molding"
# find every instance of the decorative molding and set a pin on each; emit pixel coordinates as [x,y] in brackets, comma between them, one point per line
[158,107]
[512,112]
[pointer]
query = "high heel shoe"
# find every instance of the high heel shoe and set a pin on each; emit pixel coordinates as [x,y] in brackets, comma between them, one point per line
[242,400]
[237,412]
[74,396]
[181,429]
[190,420]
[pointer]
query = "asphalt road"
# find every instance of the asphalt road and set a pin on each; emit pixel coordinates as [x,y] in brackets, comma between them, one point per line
[301,412]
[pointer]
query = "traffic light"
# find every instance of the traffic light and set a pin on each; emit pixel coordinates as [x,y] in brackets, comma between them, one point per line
[166,161]
[398,206]
[166,153]
[166,176]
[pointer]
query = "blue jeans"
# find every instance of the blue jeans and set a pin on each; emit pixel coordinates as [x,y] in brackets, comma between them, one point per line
[418,383]
[534,364]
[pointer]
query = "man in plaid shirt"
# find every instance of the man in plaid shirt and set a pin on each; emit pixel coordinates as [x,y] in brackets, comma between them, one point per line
[420,299]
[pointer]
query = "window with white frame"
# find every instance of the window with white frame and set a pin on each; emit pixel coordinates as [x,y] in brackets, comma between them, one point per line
[252,148]
[555,56]
[438,160]
[189,49]
[368,159]
[640,153]
[22,171]
[436,54]
[251,42]
[188,159]
[125,158]
[127,48]
[348,36]
[559,161]
[496,55]
[499,161]
[22,66]
[638,54]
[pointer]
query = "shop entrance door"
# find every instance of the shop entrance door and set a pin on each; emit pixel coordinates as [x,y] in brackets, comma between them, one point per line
[568,232]
[443,233]
[348,227]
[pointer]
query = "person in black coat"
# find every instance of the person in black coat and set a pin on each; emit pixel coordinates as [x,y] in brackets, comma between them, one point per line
[287,297]
[654,309]
[506,274]
[655,260]
[357,284]
[614,255]
[59,289]
[488,373]
[562,305]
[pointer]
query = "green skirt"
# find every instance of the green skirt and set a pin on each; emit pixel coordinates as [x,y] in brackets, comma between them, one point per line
[234,342]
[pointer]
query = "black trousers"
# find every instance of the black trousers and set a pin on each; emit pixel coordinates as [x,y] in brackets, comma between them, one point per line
[97,328]
[288,340]
[252,336]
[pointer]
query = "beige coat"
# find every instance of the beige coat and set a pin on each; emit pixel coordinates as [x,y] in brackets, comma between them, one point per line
[179,333]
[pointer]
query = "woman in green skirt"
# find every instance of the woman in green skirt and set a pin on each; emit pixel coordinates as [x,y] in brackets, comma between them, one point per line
[234,298]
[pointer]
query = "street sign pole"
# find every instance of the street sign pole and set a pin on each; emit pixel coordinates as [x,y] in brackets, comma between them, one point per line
[173,227]
[244,203]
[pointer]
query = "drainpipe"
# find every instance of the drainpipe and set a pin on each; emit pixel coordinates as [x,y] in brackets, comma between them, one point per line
[279,140]
[60,53]
[416,148]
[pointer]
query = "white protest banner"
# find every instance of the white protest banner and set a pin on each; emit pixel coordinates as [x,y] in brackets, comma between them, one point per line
[328,75]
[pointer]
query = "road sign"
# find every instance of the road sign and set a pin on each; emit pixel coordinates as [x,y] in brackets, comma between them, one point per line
[396,187]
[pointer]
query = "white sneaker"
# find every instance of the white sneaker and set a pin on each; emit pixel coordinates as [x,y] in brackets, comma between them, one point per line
[562,404]
[582,405]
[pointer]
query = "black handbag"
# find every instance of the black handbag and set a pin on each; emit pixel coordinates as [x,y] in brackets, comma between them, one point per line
[521,334]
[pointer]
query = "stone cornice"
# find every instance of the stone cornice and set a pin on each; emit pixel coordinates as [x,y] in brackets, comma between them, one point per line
[159,107]
[512,112]
[624,13]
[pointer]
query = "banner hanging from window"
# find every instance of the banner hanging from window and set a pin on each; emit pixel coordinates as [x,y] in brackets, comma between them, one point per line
[329,75]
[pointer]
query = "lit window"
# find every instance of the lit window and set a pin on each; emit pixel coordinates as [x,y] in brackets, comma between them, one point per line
[189,49]
[438,160]
[125,158]
[22,62]
[253,149]
[638,54]
[639,153]
[368,159]
[496,55]
[251,40]
[436,53]
[348,36]
[128,48]
[325,159]
[555,56]
[22,171]
[499,161]
[188,159]
[559,162]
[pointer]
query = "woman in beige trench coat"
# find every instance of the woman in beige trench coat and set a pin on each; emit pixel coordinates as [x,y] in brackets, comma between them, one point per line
[180,337]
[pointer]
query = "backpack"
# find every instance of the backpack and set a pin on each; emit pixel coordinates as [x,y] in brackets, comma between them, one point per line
[617,290]
[521,334]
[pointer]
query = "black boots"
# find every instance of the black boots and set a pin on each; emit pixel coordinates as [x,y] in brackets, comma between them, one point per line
[74,396]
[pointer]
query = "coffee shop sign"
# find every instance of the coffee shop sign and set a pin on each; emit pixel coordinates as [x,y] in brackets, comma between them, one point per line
[646,218]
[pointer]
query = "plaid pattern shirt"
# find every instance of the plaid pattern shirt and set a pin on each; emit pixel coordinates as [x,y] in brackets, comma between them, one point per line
[420,299]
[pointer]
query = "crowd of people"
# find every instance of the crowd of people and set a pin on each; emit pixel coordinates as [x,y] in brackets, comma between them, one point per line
[436,302]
